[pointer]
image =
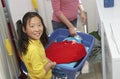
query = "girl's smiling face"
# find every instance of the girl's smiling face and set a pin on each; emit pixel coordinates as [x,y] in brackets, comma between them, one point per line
[34,28]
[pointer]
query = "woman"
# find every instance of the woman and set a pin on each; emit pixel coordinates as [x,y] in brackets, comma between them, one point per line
[65,14]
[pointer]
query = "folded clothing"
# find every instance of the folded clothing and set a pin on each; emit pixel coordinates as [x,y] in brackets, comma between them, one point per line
[65,52]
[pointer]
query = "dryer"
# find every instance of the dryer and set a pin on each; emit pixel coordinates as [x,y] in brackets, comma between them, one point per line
[111,49]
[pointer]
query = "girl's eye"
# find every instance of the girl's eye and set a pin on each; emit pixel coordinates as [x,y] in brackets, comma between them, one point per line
[31,26]
[40,25]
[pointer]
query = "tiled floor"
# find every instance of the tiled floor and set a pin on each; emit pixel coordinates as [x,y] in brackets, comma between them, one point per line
[95,72]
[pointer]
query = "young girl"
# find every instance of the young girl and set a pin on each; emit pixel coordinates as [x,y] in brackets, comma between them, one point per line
[32,39]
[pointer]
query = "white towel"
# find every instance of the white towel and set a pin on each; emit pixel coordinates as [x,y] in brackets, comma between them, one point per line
[85,68]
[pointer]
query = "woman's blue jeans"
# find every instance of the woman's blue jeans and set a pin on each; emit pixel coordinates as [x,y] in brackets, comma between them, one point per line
[57,25]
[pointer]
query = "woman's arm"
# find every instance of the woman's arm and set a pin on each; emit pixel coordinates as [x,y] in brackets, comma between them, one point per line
[62,17]
[82,13]
[70,26]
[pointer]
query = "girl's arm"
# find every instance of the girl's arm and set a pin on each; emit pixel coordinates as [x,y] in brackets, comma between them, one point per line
[39,69]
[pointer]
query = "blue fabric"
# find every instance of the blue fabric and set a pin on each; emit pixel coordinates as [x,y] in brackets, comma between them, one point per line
[78,40]
[68,64]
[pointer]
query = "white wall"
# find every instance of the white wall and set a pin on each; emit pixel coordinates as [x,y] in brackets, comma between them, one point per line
[90,7]
[45,10]
[18,8]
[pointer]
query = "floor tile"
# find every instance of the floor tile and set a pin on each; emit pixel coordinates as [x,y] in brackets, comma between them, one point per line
[95,72]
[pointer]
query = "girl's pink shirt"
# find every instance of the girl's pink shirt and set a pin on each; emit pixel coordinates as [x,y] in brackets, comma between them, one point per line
[68,7]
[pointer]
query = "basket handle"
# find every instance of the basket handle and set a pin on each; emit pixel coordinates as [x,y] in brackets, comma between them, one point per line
[85,26]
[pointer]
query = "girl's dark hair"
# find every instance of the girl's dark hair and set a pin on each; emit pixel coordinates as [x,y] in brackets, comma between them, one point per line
[23,40]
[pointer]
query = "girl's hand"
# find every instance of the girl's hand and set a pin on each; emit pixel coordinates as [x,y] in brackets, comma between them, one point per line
[53,64]
[49,66]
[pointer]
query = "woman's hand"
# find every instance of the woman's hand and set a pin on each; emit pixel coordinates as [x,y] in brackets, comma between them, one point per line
[72,31]
[83,17]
